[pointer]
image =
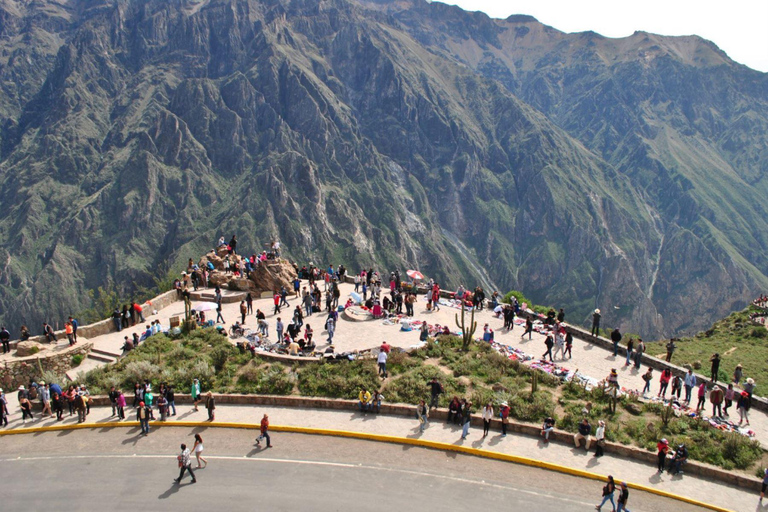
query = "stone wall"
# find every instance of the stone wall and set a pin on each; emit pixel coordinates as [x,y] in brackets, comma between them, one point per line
[25,369]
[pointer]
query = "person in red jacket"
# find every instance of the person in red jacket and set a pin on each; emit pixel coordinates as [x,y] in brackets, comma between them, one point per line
[264,432]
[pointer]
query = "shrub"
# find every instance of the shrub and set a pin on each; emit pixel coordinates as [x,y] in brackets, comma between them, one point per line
[77,359]
[34,350]
[270,380]
[520,298]
[338,380]
[220,354]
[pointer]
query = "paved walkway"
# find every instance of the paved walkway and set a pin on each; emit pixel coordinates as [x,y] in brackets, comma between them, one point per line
[694,487]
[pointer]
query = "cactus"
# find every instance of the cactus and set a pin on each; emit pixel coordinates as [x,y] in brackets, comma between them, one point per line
[466,334]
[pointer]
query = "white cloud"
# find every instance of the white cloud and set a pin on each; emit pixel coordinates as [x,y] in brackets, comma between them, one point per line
[738,27]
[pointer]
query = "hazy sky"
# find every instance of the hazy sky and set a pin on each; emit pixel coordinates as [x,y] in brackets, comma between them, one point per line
[738,27]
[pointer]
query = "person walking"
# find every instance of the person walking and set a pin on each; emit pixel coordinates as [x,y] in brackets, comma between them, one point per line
[568,345]
[623,498]
[702,394]
[528,328]
[210,404]
[276,301]
[185,464]
[120,404]
[330,327]
[422,414]
[382,361]
[549,342]
[663,448]
[615,338]
[647,378]
[487,417]
[608,490]
[143,413]
[195,392]
[600,438]
[596,323]
[248,304]
[764,485]
[198,448]
[466,418]
[264,431]
[666,376]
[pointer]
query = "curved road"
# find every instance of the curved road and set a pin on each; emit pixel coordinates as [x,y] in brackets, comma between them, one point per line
[115,469]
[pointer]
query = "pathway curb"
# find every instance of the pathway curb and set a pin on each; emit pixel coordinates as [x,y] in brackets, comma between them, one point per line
[435,445]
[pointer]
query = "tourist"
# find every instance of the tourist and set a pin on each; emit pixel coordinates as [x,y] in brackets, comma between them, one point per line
[630,347]
[24,333]
[171,397]
[715,368]
[3,409]
[219,317]
[623,498]
[702,394]
[730,395]
[435,390]
[677,387]
[261,318]
[663,448]
[70,395]
[615,338]
[681,457]
[364,400]
[422,414]
[487,417]
[742,406]
[376,399]
[162,406]
[504,411]
[690,383]
[454,410]
[596,323]
[185,464]
[74,323]
[608,491]
[647,377]
[600,438]
[198,449]
[559,344]
[264,432]
[585,429]
[639,351]
[382,361]
[549,342]
[143,414]
[279,327]
[424,332]
[112,395]
[330,327]
[612,381]
[528,328]
[210,405]
[568,345]
[749,387]
[666,376]
[48,332]
[5,338]
[466,418]
[716,398]
[243,311]
[738,373]
[670,349]
[45,399]
[58,405]
[764,485]
[195,393]
[26,408]
[120,404]
[276,302]
[547,428]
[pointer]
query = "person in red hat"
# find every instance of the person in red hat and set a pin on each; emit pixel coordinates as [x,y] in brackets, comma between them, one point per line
[143,413]
[743,406]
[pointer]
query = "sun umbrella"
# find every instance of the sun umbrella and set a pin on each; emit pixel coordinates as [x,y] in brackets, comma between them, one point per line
[205,306]
[415,274]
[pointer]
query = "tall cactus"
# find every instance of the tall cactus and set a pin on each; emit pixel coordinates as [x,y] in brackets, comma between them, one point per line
[466,334]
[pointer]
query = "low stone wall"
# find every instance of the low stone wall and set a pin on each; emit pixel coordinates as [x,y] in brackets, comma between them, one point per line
[620,450]
[24,369]
[106,326]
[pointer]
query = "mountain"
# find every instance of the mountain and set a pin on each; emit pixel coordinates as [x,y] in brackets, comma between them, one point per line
[588,172]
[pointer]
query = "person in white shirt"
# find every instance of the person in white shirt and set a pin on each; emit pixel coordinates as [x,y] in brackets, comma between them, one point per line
[600,437]
[382,359]
[487,416]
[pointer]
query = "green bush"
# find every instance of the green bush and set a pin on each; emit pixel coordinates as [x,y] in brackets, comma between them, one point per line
[520,298]
[338,380]
[77,359]
[269,380]
[34,350]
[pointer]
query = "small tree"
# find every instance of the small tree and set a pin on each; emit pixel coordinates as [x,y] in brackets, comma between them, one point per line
[466,334]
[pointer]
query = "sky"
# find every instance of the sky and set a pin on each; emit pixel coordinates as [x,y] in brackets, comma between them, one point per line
[738,27]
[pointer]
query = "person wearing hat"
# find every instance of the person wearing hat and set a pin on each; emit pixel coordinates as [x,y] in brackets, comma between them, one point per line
[743,406]
[681,457]
[623,497]
[143,414]
[600,438]
[738,373]
[663,448]
[504,414]
[596,322]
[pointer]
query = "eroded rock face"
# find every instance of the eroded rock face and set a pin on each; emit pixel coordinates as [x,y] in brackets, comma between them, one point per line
[267,277]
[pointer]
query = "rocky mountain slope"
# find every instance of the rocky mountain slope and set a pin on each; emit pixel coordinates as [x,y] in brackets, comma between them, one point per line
[582,170]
